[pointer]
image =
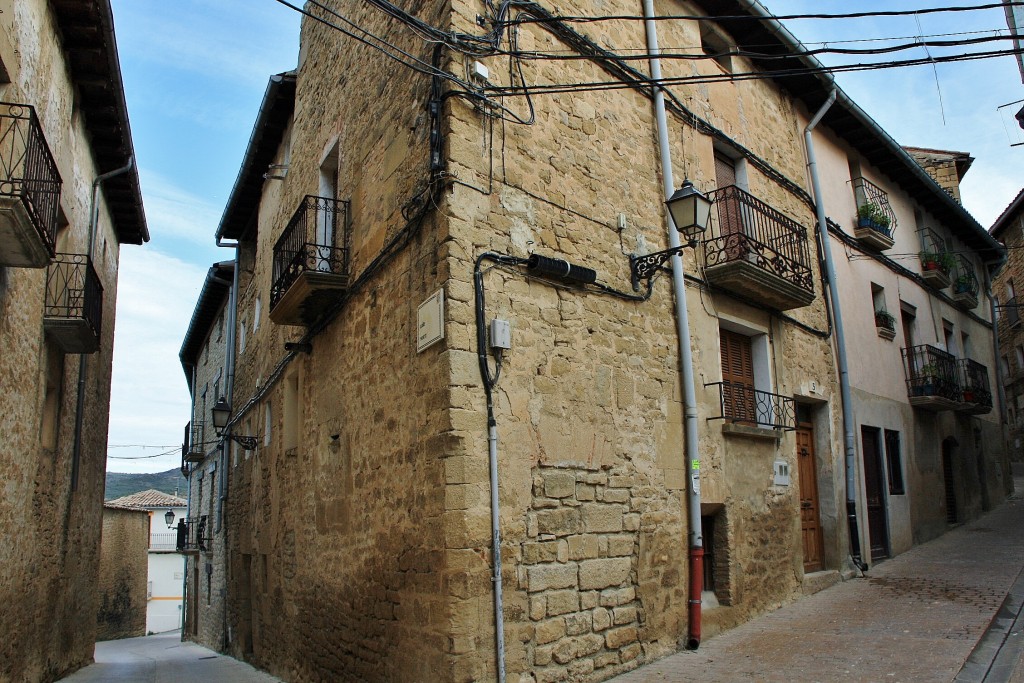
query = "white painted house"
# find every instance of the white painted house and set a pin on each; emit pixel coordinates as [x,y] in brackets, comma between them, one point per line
[166,566]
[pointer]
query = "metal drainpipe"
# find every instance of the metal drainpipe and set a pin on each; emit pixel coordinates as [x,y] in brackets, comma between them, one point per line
[696,540]
[849,442]
[76,451]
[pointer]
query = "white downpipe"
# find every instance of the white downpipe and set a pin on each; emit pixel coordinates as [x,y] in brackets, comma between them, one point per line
[696,541]
[849,441]
[499,610]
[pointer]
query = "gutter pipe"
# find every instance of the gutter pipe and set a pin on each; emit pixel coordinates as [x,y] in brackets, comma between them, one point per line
[696,540]
[849,442]
[76,451]
[229,389]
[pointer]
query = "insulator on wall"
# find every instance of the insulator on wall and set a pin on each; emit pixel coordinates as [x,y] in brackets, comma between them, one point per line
[561,269]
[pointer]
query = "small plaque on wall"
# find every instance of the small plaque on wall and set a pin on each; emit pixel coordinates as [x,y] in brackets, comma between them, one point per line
[430,321]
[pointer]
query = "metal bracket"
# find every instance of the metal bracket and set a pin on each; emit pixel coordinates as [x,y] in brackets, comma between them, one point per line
[644,267]
[246,442]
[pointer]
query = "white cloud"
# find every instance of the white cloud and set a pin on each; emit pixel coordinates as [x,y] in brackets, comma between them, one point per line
[149,403]
[172,212]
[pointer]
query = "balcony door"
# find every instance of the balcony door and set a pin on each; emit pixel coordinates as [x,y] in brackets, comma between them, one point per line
[874,482]
[325,211]
[738,377]
[729,211]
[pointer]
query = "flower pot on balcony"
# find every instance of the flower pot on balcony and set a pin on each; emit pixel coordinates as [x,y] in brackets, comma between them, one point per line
[968,396]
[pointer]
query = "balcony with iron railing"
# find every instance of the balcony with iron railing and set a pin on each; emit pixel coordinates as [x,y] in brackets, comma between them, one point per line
[965,283]
[311,261]
[744,405]
[876,220]
[193,535]
[29,190]
[1010,312]
[757,252]
[164,542]
[976,392]
[933,378]
[193,448]
[937,263]
[73,309]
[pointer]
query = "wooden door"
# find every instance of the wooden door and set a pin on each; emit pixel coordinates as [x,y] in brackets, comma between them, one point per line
[730,219]
[738,399]
[874,481]
[810,523]
[952,514]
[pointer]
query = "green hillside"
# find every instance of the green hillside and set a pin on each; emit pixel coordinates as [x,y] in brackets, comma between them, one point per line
[123,484]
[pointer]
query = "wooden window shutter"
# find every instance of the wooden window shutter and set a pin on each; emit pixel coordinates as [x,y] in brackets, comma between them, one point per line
[738,398]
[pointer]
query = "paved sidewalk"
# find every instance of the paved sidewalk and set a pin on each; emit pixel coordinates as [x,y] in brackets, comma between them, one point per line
[914,618]
[163,659]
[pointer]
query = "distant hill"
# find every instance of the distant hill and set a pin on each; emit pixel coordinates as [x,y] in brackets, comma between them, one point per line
[122,484]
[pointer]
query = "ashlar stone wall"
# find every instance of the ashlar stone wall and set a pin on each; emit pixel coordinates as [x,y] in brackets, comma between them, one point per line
[123,574]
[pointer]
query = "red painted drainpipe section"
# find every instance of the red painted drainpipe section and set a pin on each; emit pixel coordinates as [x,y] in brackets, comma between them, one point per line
[696,588]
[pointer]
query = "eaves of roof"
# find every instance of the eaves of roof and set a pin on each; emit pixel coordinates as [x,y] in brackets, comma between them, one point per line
[846,118]
[215,291]
[1007,215]
[275,112]
[87,37]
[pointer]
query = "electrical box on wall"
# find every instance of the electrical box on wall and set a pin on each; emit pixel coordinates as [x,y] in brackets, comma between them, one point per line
[430,321]
[781,473]
[501,334]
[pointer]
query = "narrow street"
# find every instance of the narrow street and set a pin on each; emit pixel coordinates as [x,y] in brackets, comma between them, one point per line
[163,659]
[926,615]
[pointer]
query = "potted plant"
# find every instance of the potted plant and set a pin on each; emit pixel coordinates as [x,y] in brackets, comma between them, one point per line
[947,262]
[885,320]
[871,215]
[929,260]
[963,284]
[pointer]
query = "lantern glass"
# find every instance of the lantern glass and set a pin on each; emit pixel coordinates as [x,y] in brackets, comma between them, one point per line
[221,412]
[690,211]
[169,518]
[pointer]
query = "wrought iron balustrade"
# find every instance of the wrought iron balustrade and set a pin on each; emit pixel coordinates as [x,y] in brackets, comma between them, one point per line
[867,193]
[28,173]
[976,388]
[314,241]
[746,405]
[750,230]
[931,372]
[193,448]
[193,534]
[163,541]
[965,283]
[1012,312]
[73,305]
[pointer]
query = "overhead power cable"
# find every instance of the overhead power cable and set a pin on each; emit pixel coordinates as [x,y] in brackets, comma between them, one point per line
[579,19]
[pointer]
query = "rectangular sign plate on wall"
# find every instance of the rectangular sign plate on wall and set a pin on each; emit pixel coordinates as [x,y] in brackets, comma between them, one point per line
[430,321]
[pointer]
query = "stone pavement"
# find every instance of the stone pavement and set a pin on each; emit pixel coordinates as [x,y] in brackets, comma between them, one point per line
[163,659]
[916,617]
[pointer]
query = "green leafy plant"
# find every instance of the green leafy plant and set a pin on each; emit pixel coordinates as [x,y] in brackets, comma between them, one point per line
[929,260]
[873,214]
[885,319]
[947,261]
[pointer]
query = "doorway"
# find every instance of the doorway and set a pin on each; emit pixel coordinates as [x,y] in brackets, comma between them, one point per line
[810,521]
[878,523]
[952,514]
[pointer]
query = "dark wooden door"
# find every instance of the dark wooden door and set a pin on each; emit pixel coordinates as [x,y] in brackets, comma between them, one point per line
[874,482]
[810,522]
[729,216]
[952,514]
[738,401]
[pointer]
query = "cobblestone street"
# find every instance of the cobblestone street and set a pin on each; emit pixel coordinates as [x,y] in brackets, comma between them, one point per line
[916,617]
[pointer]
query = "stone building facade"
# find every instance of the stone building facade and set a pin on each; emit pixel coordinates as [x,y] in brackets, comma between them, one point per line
[121,588]
[384,217]
[63,124]
[205,360]
[1009,229]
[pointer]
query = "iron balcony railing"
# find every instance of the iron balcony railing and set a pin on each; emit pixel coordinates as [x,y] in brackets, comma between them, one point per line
[974,382]
[315,240]
[28,172]
[966,281]
[73,290]
[746,405]
[192,534]
[930,371]
[873,201]
[1012,312]
[193,448]
[163,541]
[750,230]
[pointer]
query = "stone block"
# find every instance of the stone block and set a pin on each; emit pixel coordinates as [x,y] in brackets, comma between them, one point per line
[582,547]
[616,597]
[589,599]
[599,518]
[620,637]
[616,496]
[538,552]
[604,573]
[630,652]
[553,675]
[565,651]
[584,492]
[579,623]
[558,522]
[624,615]
[619,546]
[606,659]
[538,607]
[562,602]
[559,483]
[550,631]
[547,577]
[542,655]
[589,644]
[602,618]
[631,522]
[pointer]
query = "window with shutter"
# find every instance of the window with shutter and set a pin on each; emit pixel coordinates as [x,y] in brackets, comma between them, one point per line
[738,398]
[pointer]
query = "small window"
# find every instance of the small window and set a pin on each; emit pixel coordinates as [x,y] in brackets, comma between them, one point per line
[220,326]
[1004,365]
[1019,351]
[256,315]
[894,462]
[241,337]
[267,422]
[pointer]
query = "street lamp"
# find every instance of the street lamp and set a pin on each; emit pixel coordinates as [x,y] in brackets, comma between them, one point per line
[169,518]
[690,210]
[221,412]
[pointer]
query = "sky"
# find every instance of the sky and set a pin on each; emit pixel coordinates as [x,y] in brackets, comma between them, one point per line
[195,72]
